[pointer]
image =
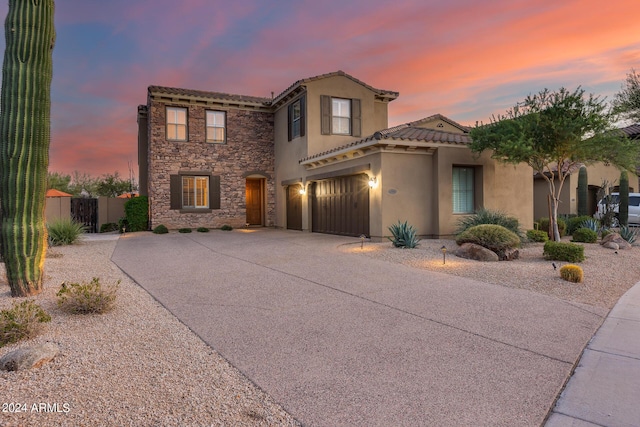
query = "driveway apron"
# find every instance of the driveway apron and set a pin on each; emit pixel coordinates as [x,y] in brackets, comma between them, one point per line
[342,339]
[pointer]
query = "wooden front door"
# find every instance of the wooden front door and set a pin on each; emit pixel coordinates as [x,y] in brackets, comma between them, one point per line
[254,201]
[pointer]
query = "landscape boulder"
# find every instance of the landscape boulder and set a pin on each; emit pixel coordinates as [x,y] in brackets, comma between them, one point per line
[475,252]
[510,255]
[615,238]
[29,357]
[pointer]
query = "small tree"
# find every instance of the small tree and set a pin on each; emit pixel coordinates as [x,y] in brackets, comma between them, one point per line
[59,181]
[111,185]
[627,101]
[553,132]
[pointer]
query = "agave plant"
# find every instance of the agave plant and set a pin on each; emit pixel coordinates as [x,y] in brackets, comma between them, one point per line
[592,224]
[404,235]
[629,234]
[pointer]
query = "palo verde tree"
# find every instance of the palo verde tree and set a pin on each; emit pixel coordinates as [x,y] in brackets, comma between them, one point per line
[25,109]
[554,132]
[627,101]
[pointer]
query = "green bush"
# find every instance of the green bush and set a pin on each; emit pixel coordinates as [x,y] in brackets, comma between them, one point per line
[585,235]
[64,231]
[22,320]
[537,235]
[576,222]
[486,216]
[226,228]
[109,226]
[404,235]
[591,224]
[605,232]
[136,211]
[184,230]
[560,251]
[544,225]
[202,230]
[161,229]
[80,298]
[493,237]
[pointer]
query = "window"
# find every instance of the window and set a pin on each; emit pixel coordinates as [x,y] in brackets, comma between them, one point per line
[341,116]
[296,118]
[195,191]
[176,124]
[216,125]
[463,190]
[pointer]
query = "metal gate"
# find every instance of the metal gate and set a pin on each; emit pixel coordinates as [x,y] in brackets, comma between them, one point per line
[341,206]
[85,211]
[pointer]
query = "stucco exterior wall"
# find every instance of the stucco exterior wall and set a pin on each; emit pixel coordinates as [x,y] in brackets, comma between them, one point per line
[248,150]
[57,208]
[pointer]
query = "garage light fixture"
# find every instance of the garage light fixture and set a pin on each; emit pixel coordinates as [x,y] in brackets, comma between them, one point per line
[373,182]
[302,191]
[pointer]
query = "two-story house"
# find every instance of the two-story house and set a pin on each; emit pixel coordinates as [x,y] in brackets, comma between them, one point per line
[318,157]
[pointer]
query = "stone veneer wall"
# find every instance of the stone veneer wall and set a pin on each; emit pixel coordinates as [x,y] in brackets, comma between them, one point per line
[249,149]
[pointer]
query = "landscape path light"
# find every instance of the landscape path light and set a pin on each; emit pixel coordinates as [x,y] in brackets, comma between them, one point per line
[444,254]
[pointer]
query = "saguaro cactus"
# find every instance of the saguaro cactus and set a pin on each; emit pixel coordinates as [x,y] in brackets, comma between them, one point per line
[623,208]
[25,109]
[583,191]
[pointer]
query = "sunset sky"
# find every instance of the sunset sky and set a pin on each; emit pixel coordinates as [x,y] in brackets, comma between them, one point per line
[465,59]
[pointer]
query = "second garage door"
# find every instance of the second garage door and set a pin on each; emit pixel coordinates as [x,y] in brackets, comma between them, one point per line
[341,206]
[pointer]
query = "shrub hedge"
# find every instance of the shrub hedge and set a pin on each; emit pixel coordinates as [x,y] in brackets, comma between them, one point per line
[585,235]
[560,251]
[537,235]
[544,225]
[136,211]
[575,223]
[493,237]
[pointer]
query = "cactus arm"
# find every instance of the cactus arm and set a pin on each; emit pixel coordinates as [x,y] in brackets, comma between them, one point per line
[25,106]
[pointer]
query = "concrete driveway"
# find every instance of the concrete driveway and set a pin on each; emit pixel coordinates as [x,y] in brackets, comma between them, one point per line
[342,339]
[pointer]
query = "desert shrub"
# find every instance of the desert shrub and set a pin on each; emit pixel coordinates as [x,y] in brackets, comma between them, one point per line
[136,211]
[109,226]
[161,229]
[226,228]
[404,235]
[605,232]
[493,237]
[585,235]
[544,225]
[184,230]
[64,231]
[572,273]
[487,216]
[576,222]
[629,234]
[561,251]
[537,235]
[202,230]
[92,297]
[22,320]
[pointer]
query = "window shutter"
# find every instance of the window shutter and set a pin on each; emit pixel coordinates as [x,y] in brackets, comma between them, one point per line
[290,122]
[214,192]
[303,119]
[325,111]
[175,192]
[356,123]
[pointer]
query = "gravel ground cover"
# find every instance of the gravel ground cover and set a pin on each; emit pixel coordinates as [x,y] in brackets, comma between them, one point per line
[608,274]
[138,365]
[134,366]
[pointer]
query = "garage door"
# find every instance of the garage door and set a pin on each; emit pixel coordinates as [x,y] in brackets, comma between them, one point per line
[341,206]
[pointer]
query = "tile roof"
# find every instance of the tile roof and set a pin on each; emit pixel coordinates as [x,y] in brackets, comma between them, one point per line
[52,192]
[407,132]
[163,90]
[632,131]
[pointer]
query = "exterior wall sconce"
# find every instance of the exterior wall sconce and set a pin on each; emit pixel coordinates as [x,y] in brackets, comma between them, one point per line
[444,254]
[302,191]
[373,182]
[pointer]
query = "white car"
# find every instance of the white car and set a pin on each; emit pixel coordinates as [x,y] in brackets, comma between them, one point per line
[634,206]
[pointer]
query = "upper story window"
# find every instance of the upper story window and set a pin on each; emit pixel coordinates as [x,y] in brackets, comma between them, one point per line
[296,118]
[176,124]
[216,126]
[340,116]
